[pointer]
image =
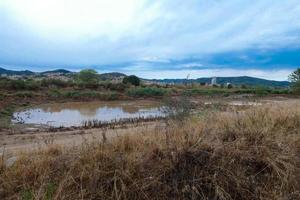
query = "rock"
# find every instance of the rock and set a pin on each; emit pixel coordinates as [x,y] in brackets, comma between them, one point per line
[11,161]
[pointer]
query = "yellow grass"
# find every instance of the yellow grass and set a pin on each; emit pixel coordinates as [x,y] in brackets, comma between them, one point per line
[243,155]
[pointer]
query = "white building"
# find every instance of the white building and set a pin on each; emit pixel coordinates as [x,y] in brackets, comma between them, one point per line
[214,80]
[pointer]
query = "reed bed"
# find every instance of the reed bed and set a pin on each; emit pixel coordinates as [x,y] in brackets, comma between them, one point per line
[249,155]
[119,122]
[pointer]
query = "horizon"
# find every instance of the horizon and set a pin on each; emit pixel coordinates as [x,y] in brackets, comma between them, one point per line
[153,39]
[150,78]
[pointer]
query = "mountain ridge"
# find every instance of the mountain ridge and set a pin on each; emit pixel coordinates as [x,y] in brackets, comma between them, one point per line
[235,80]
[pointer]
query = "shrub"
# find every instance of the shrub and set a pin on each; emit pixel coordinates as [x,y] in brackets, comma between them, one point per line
[204,91]
[147,92]
[17,84]
[243,86]
[32,85]
[24,94]
[178,108]
[83,95]
[120,87]
[54,83]
[261,90]
[54,93]
[296,87]
[88,76]
[133,80]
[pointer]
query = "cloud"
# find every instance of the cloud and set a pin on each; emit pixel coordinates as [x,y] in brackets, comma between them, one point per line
[151,35]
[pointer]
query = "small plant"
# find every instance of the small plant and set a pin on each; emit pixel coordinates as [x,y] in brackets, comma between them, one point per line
[177,109]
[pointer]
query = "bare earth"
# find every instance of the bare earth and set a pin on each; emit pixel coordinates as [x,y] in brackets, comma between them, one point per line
[11,144]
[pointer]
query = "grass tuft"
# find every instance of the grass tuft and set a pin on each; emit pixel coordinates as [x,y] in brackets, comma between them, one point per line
[252,154]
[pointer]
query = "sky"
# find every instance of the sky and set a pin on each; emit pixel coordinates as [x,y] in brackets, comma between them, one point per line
[153,38]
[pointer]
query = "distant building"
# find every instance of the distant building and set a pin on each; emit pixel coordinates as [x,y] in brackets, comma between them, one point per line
[214,80]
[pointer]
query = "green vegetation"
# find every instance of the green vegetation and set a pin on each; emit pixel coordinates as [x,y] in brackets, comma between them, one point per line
[212,91]
[147,92]
[295,79]
[83,95]
[5,116]
[88,78]
[133,80]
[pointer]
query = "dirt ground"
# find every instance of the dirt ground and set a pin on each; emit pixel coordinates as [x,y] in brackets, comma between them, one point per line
[11,144]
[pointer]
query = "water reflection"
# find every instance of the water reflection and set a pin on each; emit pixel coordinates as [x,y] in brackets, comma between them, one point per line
[73,114]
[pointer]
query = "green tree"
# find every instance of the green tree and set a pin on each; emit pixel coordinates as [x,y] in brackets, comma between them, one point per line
[133,80]
[88,76]
[295,79]
[295,76]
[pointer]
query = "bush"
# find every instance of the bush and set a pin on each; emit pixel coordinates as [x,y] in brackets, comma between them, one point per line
[296,87]
[54,83]
[88,76]
[24,94]
[32,85]
[261,90]
[178,108]
[17,84]
[147,92]
[120,87]
[133,80]
[83,95]
[243,86]
[204,91]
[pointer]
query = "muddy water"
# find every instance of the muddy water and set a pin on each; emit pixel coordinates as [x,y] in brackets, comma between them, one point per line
[73,114]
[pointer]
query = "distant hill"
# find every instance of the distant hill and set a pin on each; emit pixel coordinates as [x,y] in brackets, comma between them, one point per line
[57,71]
[239,80]
[104,76]
[12,72]
[28,73]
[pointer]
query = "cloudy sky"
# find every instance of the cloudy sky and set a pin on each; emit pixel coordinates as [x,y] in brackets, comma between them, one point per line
[153,38]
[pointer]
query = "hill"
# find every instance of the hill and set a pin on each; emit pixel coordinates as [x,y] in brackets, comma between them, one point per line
[240,80]
[57,71]
[28,73]
[12,72]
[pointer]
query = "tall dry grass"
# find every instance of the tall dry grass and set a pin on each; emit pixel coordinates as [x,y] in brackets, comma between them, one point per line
[243,155]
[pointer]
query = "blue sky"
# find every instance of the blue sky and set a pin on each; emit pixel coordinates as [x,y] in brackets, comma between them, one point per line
[153,38]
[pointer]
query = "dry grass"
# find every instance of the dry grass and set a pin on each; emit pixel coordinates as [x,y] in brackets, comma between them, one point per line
[242,155]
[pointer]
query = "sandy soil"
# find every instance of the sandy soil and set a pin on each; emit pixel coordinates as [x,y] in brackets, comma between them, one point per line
[11,144]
